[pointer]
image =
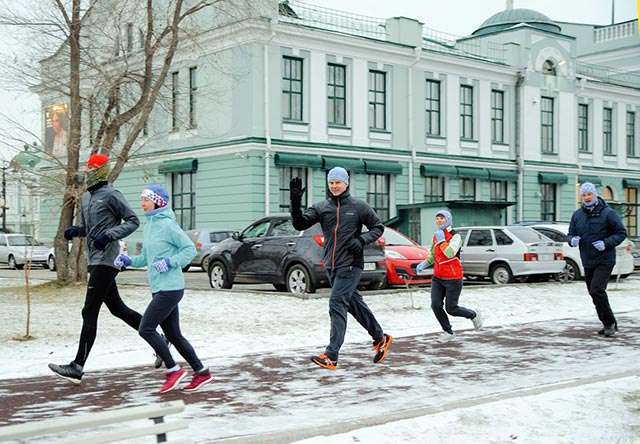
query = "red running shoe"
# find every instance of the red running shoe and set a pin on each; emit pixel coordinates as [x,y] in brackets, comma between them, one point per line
[173,379]
[203,377]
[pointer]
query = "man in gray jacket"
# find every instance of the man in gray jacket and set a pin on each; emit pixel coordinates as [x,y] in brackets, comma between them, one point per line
[106,218]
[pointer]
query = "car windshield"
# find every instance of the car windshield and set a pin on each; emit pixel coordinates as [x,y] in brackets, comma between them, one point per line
[21,241]
[528,235]
[393,238]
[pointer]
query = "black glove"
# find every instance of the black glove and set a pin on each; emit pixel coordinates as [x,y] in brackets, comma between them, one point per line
[101,241]
[296,191]
[355,246]
[71,232]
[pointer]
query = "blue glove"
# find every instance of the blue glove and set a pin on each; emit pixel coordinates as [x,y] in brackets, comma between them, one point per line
[122,261]
[421,267]
[162,265]
[575,241]
[599,245]
[439,234]
[71,232]
[101,241]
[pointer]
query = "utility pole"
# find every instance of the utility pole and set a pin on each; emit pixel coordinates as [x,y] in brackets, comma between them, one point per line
[4,196]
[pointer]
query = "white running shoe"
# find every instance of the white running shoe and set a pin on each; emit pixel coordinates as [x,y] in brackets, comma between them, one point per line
[477,321]
[446,337]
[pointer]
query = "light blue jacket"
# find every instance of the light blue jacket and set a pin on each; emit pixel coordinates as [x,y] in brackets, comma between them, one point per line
[162,238]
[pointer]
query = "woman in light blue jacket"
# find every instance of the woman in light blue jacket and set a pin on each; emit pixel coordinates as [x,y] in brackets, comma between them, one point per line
[165,250]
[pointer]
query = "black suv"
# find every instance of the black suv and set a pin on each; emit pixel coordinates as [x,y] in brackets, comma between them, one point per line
[271,251]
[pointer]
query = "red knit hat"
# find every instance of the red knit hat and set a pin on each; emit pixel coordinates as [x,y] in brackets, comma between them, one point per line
[97,160]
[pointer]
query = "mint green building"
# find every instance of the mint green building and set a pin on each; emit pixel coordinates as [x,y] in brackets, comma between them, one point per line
[498,126]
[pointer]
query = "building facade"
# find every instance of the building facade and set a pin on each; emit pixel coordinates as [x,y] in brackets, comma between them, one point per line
[499,126]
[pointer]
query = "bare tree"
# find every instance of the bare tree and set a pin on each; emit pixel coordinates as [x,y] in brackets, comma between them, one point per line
[113,85]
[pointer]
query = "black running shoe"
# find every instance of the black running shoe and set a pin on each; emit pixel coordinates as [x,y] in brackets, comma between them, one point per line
[382,346]
[71,372]
[601,331]
[158,362]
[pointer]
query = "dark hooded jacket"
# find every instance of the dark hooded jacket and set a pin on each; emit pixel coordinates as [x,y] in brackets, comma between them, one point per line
[105,210]
[599,222]
[341,218]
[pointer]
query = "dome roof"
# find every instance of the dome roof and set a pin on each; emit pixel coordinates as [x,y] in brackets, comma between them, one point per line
[26,159]
[513,17]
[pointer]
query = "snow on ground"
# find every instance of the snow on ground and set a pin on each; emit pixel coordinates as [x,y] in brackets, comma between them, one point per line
[223,324]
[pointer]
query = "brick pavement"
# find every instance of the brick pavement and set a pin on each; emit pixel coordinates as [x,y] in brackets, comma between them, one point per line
[279,395]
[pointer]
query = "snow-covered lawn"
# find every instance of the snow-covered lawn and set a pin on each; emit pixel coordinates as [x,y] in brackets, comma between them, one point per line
[231,323]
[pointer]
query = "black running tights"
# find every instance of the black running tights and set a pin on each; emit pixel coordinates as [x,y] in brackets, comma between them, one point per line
[101,289]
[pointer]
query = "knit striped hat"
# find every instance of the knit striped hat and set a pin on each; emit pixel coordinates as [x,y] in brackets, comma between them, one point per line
[157,195]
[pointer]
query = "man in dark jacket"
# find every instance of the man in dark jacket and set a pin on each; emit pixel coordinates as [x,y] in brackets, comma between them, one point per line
[341,218]
[597,229]
[106,218]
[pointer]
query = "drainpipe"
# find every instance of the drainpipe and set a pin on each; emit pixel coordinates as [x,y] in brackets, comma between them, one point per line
[267,123]
[519,154]
[417,50]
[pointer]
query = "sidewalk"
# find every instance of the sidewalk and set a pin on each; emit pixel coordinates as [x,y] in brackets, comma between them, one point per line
[252,393]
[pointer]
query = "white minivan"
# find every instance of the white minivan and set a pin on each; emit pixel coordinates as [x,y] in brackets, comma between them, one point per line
[574,269]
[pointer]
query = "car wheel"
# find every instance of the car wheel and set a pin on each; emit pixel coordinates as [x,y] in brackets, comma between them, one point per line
[205,263]
[299,280]
[51,262]
[13,264]
[280,287]
[501,274]
[218,276]
[378,285]
[570,273]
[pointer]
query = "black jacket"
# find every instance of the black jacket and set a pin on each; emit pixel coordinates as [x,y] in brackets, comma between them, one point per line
[599,222]
[341,218]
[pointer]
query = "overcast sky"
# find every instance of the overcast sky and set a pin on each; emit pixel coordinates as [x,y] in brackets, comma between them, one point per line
[460,17]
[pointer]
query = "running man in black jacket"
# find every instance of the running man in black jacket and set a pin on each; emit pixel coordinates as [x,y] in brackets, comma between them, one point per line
[106,218]
[341,218]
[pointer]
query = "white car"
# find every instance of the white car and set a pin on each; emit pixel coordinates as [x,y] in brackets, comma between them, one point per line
[502,253]
[51,257]
[16,249]
[574,269]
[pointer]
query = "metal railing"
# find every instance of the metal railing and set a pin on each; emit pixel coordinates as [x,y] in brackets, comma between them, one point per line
[609,75]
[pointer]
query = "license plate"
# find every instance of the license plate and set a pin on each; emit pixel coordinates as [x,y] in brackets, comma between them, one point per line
[545,257]
[369,266]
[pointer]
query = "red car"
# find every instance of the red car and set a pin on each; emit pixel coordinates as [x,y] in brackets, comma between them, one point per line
[402,255]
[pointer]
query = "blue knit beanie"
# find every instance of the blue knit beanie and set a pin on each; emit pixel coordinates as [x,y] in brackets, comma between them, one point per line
[588,187]
[338,173]
[447,216]
[157,194]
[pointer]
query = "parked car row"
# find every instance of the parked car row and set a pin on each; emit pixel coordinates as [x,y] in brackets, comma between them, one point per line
[271,251]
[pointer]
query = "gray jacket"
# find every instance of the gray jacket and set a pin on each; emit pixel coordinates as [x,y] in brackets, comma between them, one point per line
[105,210]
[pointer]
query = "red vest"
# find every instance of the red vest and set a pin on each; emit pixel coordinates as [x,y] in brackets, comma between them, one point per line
[445,267]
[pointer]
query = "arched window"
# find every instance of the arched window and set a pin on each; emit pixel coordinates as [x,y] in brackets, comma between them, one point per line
[607,194]
[549,68]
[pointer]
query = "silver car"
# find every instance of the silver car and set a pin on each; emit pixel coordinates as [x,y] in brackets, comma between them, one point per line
[17,249]
[502,253]
[205,239]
